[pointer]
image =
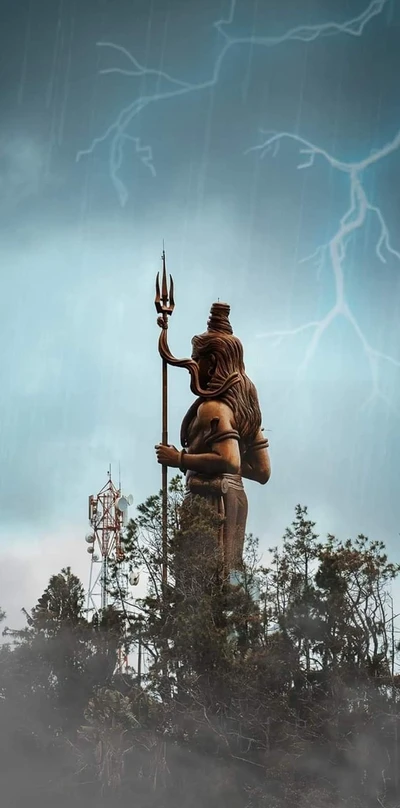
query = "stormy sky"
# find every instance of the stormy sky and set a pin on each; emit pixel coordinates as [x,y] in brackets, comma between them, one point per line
[261,140]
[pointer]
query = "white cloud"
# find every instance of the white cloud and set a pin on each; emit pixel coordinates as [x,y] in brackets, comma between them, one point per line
[28,561]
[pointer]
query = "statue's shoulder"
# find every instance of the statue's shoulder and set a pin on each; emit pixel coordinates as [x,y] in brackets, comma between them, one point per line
[214,408]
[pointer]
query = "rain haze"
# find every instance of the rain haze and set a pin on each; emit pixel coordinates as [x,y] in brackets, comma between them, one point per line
[261,141]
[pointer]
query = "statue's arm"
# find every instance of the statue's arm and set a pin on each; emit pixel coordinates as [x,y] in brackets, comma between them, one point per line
[223,441]
[256,465]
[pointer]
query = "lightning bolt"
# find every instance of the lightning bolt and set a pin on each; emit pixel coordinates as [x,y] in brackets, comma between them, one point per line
[117,133]
[334,252]
[359,208]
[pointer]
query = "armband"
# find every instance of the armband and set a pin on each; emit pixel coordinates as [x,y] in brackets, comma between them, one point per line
[181,466]
[258,445]
[216,437]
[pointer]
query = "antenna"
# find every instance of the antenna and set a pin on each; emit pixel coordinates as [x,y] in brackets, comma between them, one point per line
[108,515]
[109,569]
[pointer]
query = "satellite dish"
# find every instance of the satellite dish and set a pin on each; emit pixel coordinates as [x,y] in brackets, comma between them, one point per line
[89,538]
[134,577]
[122,504]
[90,550]
[96,557]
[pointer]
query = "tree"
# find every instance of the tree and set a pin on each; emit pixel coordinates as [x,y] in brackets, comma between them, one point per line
[59,657]
[284,699]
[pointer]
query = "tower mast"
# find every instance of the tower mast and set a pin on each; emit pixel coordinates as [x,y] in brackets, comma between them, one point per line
[108,515]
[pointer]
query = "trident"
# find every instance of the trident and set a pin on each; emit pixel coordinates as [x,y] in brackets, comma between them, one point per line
[165,304]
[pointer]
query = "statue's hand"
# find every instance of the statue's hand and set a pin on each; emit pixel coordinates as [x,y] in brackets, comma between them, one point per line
[168,456]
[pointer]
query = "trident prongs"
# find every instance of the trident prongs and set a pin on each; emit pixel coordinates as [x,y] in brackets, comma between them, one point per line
[164,300]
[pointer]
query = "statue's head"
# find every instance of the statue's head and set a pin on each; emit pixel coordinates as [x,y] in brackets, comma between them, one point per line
[218,355]
[217,352]
[217,371]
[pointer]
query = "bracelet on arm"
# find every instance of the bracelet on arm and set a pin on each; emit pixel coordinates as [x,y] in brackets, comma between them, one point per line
[218,437]
[181,466]
[257,445]
[260,444]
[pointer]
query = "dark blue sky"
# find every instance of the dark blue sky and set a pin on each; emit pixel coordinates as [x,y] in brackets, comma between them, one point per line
[159,132]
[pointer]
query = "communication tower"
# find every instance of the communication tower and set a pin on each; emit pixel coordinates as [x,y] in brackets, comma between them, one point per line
[108,516]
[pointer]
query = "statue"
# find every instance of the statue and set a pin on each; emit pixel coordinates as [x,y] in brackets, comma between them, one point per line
[221,435]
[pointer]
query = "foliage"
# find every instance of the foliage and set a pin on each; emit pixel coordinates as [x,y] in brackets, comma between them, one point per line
[287,698]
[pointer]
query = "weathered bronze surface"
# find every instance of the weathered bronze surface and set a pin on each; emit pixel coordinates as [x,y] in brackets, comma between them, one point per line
[221,435]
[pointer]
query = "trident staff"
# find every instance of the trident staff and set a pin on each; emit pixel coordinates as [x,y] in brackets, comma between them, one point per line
[165,304]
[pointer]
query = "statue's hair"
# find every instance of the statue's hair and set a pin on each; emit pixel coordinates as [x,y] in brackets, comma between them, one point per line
[242,398]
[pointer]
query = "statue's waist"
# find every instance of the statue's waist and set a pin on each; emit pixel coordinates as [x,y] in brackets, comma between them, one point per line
[216,485]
